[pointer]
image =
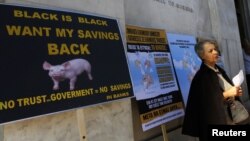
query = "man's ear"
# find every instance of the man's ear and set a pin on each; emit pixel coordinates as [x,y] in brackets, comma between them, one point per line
[202,56]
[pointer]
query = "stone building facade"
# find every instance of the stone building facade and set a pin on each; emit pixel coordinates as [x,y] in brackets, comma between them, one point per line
[118,120]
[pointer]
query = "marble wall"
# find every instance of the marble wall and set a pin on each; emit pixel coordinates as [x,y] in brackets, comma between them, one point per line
[106,122]
[56,127]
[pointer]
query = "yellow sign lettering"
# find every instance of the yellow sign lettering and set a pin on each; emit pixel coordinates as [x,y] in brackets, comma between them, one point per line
[14,30]
[64,49]
[35,15]
[4,105]
[92,21]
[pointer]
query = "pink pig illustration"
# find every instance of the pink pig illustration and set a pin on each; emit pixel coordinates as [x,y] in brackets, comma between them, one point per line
[68,70]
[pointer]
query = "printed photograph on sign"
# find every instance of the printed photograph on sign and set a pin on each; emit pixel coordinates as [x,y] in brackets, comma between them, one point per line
[68,70]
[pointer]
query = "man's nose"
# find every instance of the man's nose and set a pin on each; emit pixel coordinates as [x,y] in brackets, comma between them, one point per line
[216,51]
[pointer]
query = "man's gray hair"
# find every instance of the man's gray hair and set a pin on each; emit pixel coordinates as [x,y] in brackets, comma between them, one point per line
[199,47]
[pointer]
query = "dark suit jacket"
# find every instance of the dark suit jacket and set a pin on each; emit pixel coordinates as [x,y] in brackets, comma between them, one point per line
[205,103]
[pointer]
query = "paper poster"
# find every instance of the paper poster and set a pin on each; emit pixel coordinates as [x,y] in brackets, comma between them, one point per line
[153,77]
[186,62]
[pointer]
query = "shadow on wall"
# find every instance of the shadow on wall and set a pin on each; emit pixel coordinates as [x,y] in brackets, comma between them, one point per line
[176,136]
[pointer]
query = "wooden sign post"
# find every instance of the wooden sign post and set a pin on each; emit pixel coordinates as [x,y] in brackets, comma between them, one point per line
[81,124]
[164,132]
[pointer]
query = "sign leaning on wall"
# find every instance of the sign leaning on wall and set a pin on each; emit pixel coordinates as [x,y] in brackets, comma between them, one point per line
[154,82]
[186,62]
[58,60]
